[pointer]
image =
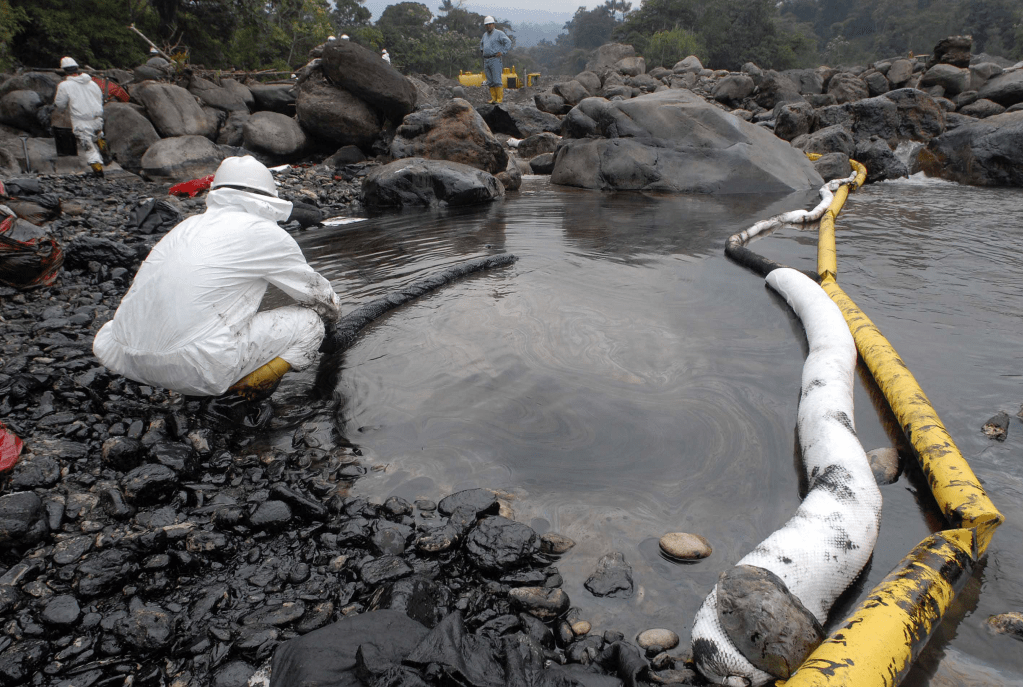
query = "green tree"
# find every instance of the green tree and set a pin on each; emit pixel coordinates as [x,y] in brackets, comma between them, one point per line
[668,47]
[11,20]
[590,28]
[349,15]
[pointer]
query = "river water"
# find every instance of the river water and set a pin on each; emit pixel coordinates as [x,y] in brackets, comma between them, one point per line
[624,379]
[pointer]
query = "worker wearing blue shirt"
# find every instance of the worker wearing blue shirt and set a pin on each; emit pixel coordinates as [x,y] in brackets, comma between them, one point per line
[494,44]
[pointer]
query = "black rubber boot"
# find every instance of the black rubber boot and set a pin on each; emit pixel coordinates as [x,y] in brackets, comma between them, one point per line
[231,411]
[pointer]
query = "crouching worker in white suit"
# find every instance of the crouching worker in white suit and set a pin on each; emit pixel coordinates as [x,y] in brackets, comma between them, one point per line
[189,322]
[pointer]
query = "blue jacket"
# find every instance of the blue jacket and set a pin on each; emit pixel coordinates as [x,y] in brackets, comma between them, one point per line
[493,43]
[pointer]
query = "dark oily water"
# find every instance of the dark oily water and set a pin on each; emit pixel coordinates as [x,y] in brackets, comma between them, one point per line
[624,379]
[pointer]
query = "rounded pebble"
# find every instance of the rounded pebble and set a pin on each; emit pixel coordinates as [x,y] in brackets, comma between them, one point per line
[666,639]
[685,546]
[554,543]
[884,463]
[581,628]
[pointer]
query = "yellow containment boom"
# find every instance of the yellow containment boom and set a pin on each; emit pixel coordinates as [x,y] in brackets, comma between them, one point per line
[876,645]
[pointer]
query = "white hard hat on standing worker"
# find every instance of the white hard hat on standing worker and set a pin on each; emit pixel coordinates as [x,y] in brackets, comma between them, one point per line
[488,20]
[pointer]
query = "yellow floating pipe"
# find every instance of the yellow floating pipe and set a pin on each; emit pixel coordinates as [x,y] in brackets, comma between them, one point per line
[956,489]
[878,643]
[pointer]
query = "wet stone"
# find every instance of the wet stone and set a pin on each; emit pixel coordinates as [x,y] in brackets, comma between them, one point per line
[202,542]
[497,544]
[1010,623]
[555,544]
[685,546]
[482,501]
[250,638]
[35,472]
[146,627]
[662,639]
[177,457]
[683,676]
[104,571]
[123,453]
[316,617]
[61,611]
[149,484]
[884,463]
[270,514]
[390,538]
[70,550]
[581,628]
[233,674]
[397,506]
[766,622]
[20,661]
[997,427]
[23,520]
[613,577]
[545,604]
[384,569]
[287,612]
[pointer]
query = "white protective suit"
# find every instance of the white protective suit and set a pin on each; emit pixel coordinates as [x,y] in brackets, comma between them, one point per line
[85,99]
[189,322]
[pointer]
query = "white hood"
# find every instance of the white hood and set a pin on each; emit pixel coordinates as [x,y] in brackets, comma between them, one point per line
[266,207]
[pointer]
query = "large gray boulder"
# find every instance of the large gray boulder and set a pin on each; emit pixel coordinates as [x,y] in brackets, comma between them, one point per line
[551,103]
[954,80]
[129,134]
[733,88]
[877,116]
[1005,89]
[981,72]
[900,72]
[171,160]
[216,96]
[808,81]
[773,88]
[631,66]
[518,120]
[832,139]
[454,132]
[274,137]
[19,108]
[607,55]
[174,111]
[674,140]
[335,114]
[688,65]
[920,116]
[273,97]
[232,131]
[987,152]
[847,88]
[793,119]
[241,91]
[590,81]
[362,73]
[879,159]
[572,92]
[538,144]
[581,120]
[43,83]
[418,182]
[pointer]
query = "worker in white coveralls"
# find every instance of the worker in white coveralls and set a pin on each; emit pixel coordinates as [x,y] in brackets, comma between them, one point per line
[494,44]
[385,57]
[189,322]
[83,97]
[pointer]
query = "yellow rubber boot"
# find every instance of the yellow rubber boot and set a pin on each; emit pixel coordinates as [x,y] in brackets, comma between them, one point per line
[261,382]
[499,94]
[492,96]
[97,168]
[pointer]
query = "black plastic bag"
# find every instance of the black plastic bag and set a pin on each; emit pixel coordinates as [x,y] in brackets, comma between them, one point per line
[155,216]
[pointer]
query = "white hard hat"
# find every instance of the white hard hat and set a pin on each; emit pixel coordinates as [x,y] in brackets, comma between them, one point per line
[331,38]
[384,50]
[344,36]
[67,62]
[488,20]
[153,51]
[246,173]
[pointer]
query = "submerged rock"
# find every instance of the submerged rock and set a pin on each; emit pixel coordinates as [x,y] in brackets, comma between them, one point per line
[419,182]
[613,577]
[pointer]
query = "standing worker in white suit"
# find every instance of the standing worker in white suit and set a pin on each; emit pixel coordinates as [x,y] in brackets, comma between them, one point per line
[190,321]
[494,44]
[385,57]
[83,97]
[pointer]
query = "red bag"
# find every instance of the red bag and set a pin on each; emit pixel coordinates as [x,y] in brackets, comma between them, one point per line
[191,188]
[10,448]
[110,90]
[27,264]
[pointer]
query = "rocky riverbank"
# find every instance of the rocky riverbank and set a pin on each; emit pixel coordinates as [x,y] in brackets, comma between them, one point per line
[141,540]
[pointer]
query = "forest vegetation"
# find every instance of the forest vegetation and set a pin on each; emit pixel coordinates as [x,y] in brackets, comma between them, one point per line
[278,34]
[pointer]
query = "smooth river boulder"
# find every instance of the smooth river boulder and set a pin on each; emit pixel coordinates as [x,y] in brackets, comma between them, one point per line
[1005,89]
[182,158]
[674,140]
[988,152]
[274,136]
[335,114]
[362,73]
[418,182]
[129,134]
[517,120]
[454,132]
[175,112]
